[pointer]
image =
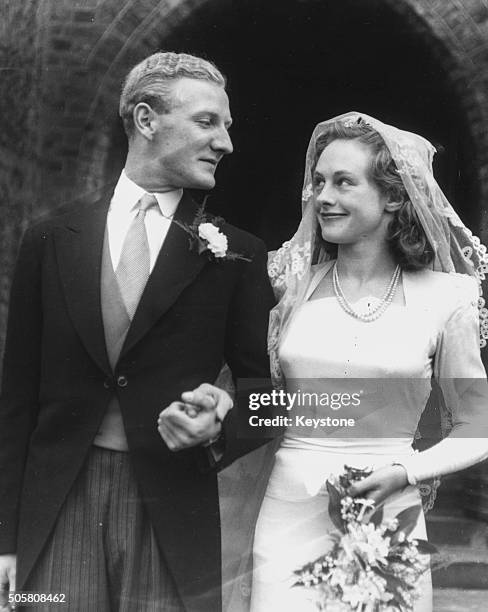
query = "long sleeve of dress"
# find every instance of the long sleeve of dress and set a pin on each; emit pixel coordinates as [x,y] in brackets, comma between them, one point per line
[461,375]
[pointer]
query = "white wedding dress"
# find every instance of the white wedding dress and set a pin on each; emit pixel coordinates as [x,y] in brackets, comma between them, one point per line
[431,334]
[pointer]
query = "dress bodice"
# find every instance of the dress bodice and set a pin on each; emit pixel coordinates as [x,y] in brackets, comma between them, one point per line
[325,342]
[388,362]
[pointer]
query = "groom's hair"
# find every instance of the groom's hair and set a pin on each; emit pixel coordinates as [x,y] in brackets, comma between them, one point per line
[150,80]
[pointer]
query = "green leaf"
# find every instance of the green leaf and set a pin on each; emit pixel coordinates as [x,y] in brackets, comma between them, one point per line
[426,548]
[394,585]
[200,217]
[377,517]
[335,507]
[407,519]
[202,247]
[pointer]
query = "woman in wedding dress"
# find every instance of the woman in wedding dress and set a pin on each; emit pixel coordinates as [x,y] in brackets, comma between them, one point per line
[381,283]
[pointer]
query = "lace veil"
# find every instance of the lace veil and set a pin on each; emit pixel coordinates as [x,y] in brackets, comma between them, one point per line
[290,269]
[455,248]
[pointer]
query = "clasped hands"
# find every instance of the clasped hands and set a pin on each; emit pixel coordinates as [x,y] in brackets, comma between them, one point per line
[196,419]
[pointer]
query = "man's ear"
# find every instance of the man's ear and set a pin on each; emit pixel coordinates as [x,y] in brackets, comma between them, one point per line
[143,116]
[392,206]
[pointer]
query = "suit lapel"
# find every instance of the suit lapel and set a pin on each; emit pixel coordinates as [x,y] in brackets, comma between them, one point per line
[79,253]
[175,268]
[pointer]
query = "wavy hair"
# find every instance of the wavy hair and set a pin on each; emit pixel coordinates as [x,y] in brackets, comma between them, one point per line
[150,80]
[405,236]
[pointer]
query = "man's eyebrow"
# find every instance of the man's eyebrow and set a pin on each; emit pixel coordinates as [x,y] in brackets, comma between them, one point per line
[212,115]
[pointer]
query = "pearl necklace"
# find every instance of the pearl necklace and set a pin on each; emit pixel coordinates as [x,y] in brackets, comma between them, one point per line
[375,312]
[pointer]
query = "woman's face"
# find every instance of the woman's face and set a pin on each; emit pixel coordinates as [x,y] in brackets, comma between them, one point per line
[350,207]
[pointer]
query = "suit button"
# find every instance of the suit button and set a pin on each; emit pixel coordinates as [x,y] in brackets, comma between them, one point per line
[122,381]
[107,383]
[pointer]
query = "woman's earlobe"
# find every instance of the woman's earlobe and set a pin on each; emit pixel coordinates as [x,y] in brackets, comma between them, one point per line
[393,206]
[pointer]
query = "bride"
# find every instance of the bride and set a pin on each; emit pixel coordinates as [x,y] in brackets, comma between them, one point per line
[380,282]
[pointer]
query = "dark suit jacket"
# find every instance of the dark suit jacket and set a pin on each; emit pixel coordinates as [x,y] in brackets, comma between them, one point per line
[57,383]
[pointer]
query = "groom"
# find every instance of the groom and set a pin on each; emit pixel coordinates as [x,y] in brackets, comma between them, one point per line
[113,315]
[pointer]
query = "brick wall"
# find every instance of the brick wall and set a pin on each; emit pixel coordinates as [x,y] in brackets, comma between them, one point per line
[90,45]
[460,29]
[69,57]
[19,87]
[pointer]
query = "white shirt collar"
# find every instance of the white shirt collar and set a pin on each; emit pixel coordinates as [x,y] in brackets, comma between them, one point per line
[127,194]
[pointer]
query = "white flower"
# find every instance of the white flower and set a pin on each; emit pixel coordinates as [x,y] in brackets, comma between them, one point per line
[307,193]
[366,541]
[351,121]
[217,241]
[354,595]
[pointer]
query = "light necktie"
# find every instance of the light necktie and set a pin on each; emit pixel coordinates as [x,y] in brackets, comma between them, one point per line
[133,269]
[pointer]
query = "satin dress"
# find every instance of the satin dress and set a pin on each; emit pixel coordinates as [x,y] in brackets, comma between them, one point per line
[389,362]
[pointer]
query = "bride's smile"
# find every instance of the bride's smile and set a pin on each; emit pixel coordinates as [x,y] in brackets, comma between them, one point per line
[350,206]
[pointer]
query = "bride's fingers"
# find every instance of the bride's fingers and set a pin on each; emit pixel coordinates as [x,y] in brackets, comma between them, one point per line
[361,487]
[373,502]
[366,510]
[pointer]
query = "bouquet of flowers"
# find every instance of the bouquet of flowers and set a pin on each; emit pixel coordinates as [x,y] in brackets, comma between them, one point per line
[373,566]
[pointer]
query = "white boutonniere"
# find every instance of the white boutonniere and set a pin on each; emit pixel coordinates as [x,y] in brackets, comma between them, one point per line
[207,238]
[215,240]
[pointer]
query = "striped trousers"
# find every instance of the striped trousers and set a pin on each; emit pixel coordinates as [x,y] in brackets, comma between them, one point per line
[103,554]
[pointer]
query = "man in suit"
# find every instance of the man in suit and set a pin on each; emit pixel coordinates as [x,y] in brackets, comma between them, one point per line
[113,315]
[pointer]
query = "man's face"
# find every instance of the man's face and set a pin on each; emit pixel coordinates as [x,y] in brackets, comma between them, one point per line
[193,136]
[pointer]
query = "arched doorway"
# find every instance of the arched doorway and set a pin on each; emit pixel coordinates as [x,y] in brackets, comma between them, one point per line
[292,64]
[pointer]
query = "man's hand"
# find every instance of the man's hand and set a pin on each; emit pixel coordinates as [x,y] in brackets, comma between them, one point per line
[208,397]
[195,420]
[8,564]
[382,483]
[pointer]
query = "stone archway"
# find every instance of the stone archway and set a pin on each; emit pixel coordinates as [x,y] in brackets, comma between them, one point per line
[67,59]
[72,56]
[453,34]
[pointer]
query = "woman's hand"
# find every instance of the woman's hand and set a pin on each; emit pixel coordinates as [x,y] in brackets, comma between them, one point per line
[382,483]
